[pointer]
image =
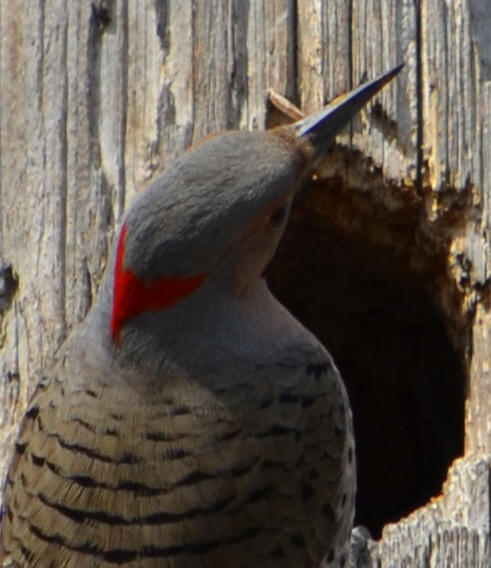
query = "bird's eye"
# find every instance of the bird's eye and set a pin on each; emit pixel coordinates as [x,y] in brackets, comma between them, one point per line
[278,216]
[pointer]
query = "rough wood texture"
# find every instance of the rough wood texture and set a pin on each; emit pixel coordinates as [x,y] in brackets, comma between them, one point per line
[453,530]
[96,97]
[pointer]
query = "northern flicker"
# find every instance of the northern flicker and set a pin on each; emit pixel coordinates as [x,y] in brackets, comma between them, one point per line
[191,421]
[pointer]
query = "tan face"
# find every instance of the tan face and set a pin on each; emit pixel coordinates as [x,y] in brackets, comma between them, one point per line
[256,246]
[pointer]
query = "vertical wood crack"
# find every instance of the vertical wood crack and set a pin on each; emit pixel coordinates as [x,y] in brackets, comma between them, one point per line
[419,99]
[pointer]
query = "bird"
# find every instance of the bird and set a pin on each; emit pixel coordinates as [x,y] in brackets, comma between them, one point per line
[190,420]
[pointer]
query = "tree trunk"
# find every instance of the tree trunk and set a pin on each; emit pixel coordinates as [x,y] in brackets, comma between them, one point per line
[386,258]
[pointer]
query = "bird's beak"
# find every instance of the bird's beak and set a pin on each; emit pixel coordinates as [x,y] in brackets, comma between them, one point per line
[322,126]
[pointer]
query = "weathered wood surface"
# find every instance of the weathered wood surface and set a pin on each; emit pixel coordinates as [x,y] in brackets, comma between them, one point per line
[96,97]
[453,530]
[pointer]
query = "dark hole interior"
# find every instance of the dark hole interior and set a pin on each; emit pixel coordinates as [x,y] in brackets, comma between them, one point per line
[404,377]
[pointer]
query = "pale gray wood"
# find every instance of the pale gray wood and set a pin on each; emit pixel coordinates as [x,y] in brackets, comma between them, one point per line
[453,530]
[383,35]
[323,51]
[97,97]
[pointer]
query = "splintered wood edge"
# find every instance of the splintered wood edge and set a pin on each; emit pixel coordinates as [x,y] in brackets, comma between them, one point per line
[284,105]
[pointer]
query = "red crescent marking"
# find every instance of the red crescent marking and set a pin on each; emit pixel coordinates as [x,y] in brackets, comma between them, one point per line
[132,296]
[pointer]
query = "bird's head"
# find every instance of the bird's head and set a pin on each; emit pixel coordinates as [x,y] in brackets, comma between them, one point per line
[214,218]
